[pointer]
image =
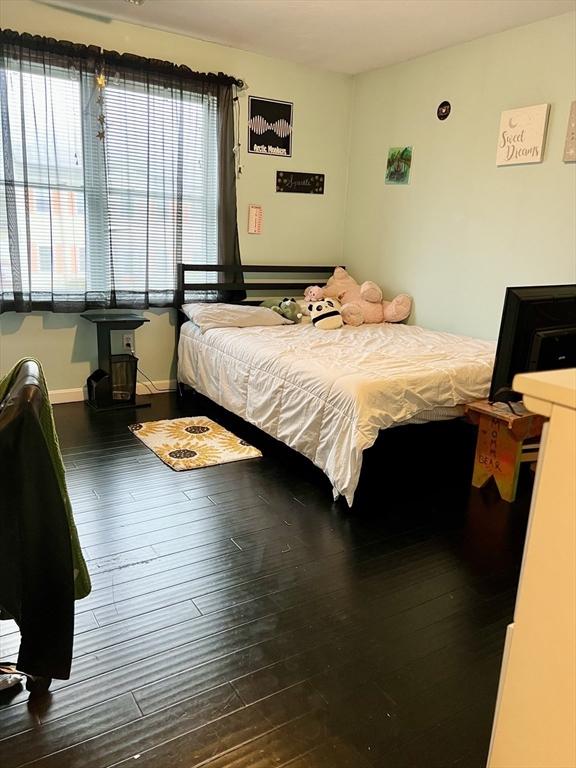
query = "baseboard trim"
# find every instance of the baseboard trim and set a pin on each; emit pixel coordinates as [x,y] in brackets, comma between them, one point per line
[78,394]
[67,395]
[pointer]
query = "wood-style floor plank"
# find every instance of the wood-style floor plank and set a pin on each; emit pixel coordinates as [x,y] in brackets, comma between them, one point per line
[240,618]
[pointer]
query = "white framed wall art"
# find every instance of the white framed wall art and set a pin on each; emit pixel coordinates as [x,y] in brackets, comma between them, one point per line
[522,135]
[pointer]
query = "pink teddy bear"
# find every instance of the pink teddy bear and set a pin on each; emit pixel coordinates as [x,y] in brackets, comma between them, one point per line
[361,303]
[313,293]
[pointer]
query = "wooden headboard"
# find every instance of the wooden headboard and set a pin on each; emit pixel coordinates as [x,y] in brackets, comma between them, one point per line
[234,279]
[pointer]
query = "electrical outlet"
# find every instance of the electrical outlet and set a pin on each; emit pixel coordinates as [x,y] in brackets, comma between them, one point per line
[128,342]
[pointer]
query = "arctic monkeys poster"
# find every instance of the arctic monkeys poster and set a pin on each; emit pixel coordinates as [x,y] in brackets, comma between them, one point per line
[270,127]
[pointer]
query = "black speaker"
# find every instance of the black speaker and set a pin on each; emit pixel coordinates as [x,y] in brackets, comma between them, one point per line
[98,386]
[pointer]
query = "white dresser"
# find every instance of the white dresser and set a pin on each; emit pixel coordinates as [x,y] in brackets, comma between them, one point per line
[535,719]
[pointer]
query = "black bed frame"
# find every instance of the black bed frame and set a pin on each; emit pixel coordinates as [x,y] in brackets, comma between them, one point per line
[232,272]
[235,284]
[454,440]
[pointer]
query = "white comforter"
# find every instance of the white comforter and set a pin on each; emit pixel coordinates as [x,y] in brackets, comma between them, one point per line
[328,393]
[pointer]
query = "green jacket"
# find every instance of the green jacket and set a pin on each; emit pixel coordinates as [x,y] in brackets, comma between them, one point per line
[42,569]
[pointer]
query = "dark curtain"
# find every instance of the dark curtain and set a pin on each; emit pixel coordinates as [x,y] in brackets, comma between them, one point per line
[116,170]
[228,244]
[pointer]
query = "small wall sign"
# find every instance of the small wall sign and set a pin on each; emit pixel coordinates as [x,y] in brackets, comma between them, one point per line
[270,127]
[570,146]
[522,134]
[254,219]
[305,183]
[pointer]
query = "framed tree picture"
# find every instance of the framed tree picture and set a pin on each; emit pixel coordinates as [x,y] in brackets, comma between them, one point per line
[398,165]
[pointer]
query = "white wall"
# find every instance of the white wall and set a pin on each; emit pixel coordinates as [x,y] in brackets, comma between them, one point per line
[296,229]
[463,229]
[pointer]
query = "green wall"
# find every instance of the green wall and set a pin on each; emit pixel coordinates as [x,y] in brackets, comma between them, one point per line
[454,237]
[463,229]
[296,228]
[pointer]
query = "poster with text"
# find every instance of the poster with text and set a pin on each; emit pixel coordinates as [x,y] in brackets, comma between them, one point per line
[522,134]
[270,127]
[295,181]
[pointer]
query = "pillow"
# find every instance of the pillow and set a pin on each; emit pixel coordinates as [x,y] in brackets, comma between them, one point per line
[207,316]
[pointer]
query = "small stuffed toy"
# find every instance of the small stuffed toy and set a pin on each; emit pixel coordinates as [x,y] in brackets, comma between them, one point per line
[325,314]
[363,303]
[313,293]
[288,308]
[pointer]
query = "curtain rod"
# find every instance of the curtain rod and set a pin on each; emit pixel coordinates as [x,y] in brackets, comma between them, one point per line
[66,48]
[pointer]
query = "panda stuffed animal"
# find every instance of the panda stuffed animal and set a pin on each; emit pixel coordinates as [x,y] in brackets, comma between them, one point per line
[325,314]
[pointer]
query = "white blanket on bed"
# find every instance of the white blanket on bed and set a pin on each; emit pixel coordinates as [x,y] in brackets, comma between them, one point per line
[328,393]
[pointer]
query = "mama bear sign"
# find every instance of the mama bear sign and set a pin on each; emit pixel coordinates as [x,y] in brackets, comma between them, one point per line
[522,134]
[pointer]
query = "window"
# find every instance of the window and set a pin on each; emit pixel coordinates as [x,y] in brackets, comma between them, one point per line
[46,141]
[114,171]
[44,265]
[143,187]
[42,201]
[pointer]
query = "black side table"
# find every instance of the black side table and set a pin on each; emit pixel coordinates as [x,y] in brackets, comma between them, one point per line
[113,384]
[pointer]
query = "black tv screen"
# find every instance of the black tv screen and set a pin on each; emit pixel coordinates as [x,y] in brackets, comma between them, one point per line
[537,333]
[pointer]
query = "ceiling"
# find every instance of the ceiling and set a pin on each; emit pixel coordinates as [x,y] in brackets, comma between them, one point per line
[348,36]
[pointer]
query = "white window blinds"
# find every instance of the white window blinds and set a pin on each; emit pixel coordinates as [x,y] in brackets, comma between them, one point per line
[115,171]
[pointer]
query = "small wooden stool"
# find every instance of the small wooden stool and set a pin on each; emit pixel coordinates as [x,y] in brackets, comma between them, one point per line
[499,444]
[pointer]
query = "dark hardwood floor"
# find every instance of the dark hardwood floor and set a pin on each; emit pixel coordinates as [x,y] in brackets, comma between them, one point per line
[240,618]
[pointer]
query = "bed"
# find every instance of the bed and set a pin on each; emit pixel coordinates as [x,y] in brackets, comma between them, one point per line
[327,394]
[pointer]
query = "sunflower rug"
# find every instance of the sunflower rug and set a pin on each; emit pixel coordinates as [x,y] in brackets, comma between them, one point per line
[192,442]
